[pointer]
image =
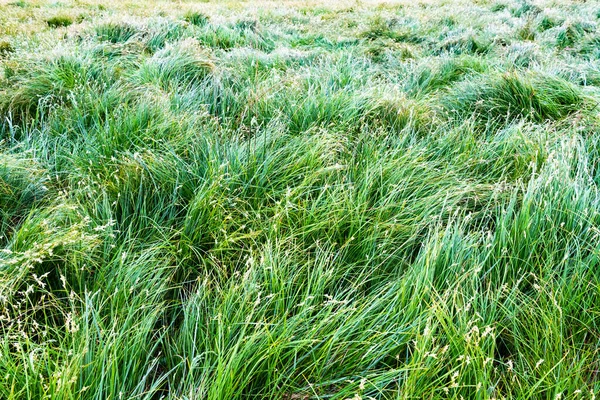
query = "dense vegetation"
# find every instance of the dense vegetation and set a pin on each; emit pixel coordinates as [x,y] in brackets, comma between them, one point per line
[271,200]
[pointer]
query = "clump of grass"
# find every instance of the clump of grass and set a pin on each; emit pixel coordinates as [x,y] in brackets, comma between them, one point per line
[378,28]
[497,7]
[196,18]
[116,32]
[224,37]
[247,24]
[59,21]
[183,63]
[513,96]
[569,34]
[159,33]
[41,87]
[6,48]
[590,47]
[397,114]
[449,21]
[548,22]
[526,31]
[22,186]
[428,78]
[525,8]
[19,3]
[464,43]
[523,55]
[379,50]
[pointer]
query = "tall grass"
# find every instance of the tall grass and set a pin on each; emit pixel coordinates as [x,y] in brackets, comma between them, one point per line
[236,201]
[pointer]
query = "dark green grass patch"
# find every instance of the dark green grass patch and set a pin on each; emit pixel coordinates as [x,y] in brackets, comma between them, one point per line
[546,22]
[19,3]
[196,18]
[59,21]
[569,34]
[497,7]
[6,48]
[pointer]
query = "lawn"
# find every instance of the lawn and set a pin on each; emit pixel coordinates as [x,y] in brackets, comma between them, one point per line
[295,200]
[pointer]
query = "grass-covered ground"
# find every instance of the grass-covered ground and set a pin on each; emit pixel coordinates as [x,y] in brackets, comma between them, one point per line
[299,200]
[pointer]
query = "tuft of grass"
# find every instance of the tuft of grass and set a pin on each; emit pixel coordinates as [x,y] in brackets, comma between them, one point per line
[378,27]
[380,50]
[429,78]
[511,96]
[180,64]
[59,21]
[526,31]
[196,18]
[589,47]
[464,43]
[525,8]
[116,32]
[247,24]
[569,34]
[37,91]
[225,37]
[22,187]
[523,55]
[6,48]
[548,22]
[19,3]
[158,34]
[497,7]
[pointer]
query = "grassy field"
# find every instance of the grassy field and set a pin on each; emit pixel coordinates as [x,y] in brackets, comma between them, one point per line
[299,200]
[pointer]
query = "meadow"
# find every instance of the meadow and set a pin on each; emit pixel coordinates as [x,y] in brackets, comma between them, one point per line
[299,199]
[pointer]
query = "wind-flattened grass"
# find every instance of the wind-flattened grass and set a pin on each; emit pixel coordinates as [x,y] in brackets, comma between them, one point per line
[379,27]
[463,43]
[161,32]
[427,77]
[509,96]
[341,201]
[21,188]
[569,34]
[525,8]
[47,84]
[226,37]
[546,22]
[181,64]
[116,32]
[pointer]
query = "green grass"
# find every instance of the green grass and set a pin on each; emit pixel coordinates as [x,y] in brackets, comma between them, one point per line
[196,18]
[249,200]
[59,21]
[6,48]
